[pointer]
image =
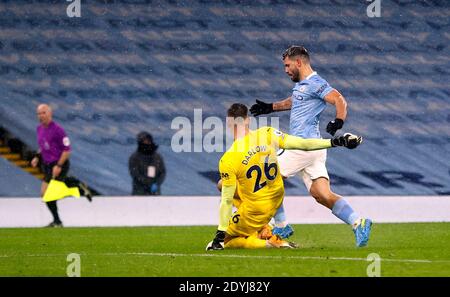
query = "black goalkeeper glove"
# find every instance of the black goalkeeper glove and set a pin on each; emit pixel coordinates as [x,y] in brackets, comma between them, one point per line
[334,125]
[218,241]
[347,140]
[261,108]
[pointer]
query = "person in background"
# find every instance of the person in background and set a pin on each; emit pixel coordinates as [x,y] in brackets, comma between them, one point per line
[146,167]
[53,157]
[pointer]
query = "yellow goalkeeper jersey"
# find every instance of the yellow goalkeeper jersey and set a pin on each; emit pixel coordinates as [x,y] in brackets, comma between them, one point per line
[251,164]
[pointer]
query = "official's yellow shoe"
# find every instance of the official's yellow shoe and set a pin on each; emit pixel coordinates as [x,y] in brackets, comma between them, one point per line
[276,242]
[265,233]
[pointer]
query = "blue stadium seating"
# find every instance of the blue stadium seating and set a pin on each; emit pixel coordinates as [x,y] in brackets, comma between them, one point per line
[136,65]
[16,182]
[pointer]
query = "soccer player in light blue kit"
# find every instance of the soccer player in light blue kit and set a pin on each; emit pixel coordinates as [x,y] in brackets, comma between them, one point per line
[309,97]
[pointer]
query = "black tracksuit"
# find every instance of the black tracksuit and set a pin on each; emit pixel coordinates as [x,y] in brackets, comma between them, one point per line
[138,165]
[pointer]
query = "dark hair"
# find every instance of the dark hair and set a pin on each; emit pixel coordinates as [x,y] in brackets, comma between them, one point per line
[143,136]
[296,50]
[238,110]
[145,143]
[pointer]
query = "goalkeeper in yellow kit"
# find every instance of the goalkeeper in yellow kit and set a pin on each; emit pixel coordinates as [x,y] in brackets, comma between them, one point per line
[250,174]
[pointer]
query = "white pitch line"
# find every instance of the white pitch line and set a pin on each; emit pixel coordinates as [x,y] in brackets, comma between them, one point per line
[284,257]
[214,254]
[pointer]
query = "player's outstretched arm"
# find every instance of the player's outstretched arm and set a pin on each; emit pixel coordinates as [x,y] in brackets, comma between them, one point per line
[261,107]
[306,144]
[335,98]
[347,140]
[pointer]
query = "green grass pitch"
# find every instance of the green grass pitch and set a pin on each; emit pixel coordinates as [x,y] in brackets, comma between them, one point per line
[413,249]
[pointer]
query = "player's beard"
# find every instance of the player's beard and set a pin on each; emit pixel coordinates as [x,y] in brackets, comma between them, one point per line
[295,75]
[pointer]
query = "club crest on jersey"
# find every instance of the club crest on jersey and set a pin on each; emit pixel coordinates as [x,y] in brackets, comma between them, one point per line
[278,133]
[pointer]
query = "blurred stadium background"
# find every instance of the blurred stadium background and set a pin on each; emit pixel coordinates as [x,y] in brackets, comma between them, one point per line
[131,65]
[126,66]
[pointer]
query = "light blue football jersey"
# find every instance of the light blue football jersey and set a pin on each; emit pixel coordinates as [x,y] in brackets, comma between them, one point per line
[307,104]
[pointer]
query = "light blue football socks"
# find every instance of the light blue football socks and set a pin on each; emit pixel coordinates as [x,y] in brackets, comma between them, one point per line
[345,212]
[280,217]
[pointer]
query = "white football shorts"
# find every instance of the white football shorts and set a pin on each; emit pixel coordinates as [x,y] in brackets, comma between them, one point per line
[307,165]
